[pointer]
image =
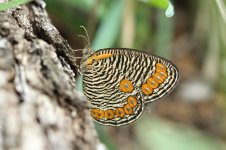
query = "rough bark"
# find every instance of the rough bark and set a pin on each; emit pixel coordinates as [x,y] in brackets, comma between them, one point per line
[39,105]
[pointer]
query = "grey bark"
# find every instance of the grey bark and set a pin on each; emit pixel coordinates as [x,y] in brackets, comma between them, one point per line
[39,105]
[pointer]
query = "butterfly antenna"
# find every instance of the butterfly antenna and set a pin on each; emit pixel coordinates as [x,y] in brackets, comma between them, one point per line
[87,36]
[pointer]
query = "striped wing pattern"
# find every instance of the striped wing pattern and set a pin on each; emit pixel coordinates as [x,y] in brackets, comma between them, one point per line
[118,88]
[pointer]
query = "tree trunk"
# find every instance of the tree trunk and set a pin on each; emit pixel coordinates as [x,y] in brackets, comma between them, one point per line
[39,106]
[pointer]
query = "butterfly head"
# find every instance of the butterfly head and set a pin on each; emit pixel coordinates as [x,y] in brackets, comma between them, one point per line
[87,52]
[86,59]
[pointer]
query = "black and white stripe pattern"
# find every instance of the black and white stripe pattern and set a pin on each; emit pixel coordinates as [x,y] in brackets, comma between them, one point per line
[101,83]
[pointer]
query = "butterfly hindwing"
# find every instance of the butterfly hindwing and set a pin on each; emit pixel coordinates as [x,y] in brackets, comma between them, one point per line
[111,106]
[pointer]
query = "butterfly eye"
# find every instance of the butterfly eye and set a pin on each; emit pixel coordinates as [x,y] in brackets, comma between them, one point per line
[85,51]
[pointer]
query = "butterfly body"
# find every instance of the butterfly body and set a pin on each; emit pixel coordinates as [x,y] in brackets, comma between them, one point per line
[119,82]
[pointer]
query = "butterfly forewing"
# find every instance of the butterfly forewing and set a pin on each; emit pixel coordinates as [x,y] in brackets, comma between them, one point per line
[121,81]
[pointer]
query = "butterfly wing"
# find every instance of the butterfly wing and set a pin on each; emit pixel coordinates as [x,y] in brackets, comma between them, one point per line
[111,106]
[150,77]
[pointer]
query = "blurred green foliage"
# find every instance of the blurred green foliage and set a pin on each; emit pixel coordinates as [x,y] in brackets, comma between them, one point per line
[157,134]
[11,4]
[109,28]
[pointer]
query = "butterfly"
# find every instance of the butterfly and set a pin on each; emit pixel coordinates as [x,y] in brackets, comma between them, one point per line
[119,82]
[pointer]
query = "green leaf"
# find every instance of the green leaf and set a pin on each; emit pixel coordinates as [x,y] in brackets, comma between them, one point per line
[157,3]
[11,4]
[163,4]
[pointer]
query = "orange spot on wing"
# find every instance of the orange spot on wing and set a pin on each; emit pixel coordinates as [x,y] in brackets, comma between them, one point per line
[126,86]
[120,112]
[132,101]
[158,78]
[102,56]
[162,73]
[97,113]
[109,114]
[146,89]
[160,66]
[152,82]
[128,109]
